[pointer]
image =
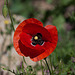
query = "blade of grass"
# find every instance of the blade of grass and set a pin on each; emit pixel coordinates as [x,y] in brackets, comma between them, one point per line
[41,67]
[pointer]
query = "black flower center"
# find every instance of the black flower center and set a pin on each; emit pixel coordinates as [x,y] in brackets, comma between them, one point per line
[37,39]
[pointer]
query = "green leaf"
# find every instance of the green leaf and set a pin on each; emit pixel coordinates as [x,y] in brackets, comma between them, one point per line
[17,71]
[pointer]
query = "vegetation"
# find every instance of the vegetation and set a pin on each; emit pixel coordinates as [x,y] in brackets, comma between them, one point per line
[62,15]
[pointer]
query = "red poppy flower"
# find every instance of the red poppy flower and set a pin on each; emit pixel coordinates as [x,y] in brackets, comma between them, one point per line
[33,40]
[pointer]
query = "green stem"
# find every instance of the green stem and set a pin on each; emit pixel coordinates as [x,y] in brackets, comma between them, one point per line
[5,2]
[24,61]
[51,65]
[9,56]
[47,65]
[42,68]
[10,16]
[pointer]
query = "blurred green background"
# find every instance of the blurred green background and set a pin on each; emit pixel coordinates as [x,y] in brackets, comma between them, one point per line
[60,13]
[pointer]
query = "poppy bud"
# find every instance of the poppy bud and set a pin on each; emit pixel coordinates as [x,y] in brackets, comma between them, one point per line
[5,11]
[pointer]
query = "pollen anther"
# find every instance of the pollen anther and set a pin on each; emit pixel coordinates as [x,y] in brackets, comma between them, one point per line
[36,37]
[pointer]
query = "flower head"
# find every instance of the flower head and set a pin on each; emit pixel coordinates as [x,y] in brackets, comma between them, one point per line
[33,40]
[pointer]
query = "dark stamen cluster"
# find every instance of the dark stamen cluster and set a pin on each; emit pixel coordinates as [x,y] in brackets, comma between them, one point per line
[38,40]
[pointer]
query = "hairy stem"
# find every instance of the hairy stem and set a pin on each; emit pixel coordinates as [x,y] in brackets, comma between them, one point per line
[24,61]
[10,16]
[47,65]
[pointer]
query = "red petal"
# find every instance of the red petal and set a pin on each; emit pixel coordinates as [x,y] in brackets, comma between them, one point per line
[48,46]
[54,34]
[25,38]
[23,49]
[33,29]
[33,21]
[18,30]
[16,37]
[29,52]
